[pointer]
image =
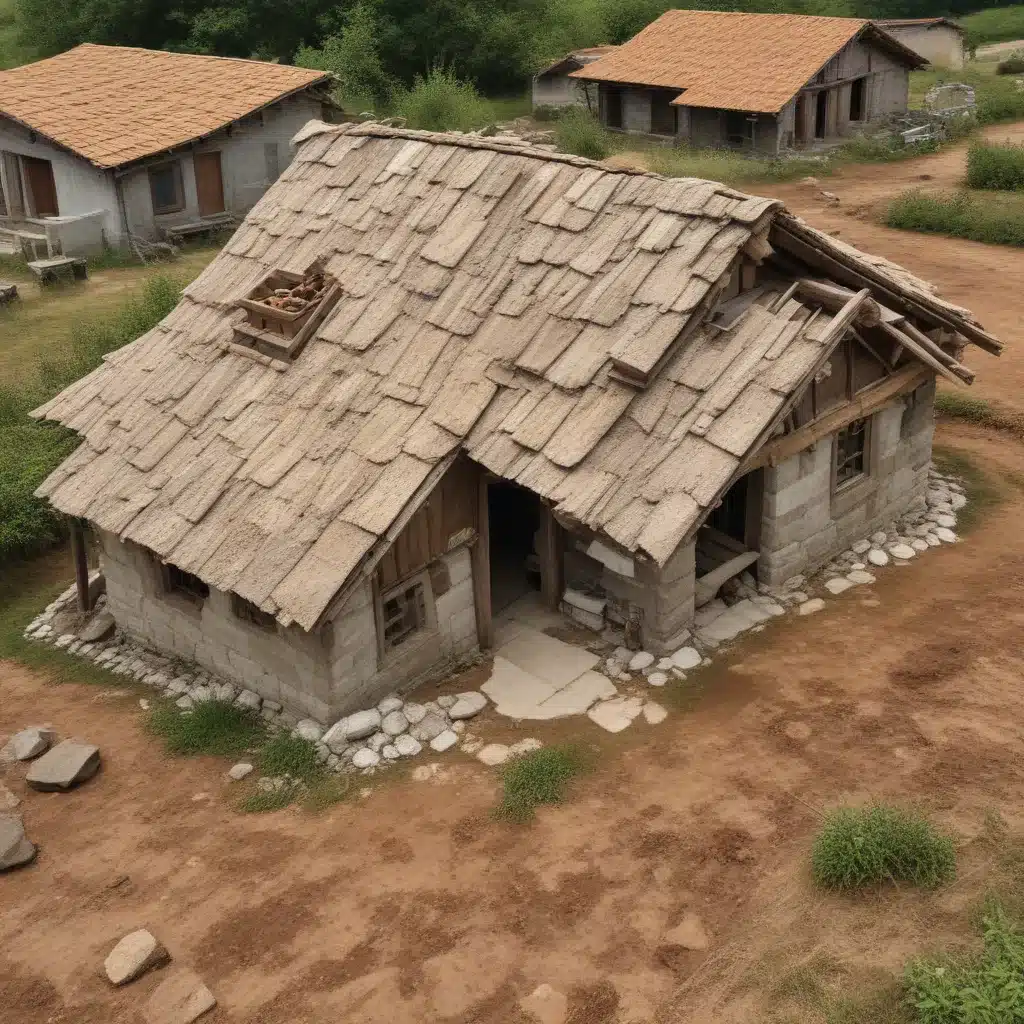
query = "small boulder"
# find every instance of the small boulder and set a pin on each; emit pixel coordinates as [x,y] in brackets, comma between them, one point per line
[239,771]
[246,699]
[100,627]
[654,713]
[28,743]
[876,556]
[815,604]
[904,551]
[15,847]
[365,758]
[837,585]
[446,701]
[180,999]
[431,726]
[389,704]
[390,752]
[640,661]
[414,713]
[657,679]
[861,547]
[65,765]
[135,954]
[394,723]
[362,724]
[307,729]
[407,746]
[945,535]
[444,741]
[467,705]
[686,658]
[860,576]
[378,741]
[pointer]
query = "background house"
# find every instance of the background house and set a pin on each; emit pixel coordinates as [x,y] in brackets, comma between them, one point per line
[755,82]
[107,141]
[553,87]
[939,40]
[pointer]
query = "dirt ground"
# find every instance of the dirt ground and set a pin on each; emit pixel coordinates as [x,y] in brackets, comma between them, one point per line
[412,904]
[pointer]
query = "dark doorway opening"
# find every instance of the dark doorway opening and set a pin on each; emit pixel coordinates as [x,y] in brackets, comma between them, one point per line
[800,119]
[613,107]
[730,538]
[514,515]
[821,114]
[857,100]
[663,114]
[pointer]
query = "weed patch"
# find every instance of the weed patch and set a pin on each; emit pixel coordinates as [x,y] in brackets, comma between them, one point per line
[578,131]
[441,102]
[983,495]
[213,727]
[997,219]
[861,847]
[997,166]
[261,802]
[285,754]
[539,777]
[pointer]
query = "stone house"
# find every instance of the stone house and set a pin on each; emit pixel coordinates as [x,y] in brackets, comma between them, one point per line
[553,87]
[940,41]
[512,370]
[106,142]
[760,83]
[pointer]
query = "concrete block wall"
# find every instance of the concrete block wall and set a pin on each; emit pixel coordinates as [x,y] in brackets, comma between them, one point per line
[804,524]
[669,597]
[636,110]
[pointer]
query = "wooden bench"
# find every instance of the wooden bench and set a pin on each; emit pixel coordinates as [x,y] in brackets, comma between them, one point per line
[70,268]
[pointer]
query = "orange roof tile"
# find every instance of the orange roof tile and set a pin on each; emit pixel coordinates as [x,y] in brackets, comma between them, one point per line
[116,104]
[733,60]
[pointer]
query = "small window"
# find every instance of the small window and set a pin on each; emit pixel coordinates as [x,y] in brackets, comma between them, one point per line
[253,614]
[178,581]
[851,453]
[166,189]
[403,613]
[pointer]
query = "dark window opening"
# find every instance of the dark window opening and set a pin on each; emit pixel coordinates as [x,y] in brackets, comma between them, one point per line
[821,114]
[253,614]
[166,189]
[403,613]
[857,100]
[188,585]
[739,128]
[663,114]
[851,453]
[613,108]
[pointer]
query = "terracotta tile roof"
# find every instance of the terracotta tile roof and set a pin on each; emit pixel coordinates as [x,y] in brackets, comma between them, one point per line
[116,104]
[732,60]
[493,295]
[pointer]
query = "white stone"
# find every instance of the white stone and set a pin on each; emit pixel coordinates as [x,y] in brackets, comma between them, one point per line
[180,998]
[444,702]
[377,741]
[407,746]
[467,705]
[390,752]
[334,738]
[859,577]
[957,501]
[221,691]
[201,694]
[794,582]
[904,551]
[430,726]
[64,641]
[247,699]
[876,556]
[918,544]
[361,724]
[665,665]
[640,661]
[524,746]
[394,723]
[307,729]
[616,714]
[816,604]
[135,954]
[493,754]
[654,713]
[622,655]
[861,547]
[657,678]
[184,702]
[880,537]
[458,728]
[686,658]
[445,741]
[414,713]
[858,566]
[837,585]
[365,758]
[389,704]
[16,848]
[239,771]
[933,540]
[945,535]
[949,522]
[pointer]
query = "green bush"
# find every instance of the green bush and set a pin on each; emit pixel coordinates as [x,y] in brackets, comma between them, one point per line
[285,754]
[578,131]
[995,166]
[859,847]
[30,451]
[442,102]
[987,989]
[960,215]
[539,777]
[547,112]
[1012,65]
[212,727]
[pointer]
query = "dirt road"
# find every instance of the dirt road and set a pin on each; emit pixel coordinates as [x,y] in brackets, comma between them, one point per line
[413,905]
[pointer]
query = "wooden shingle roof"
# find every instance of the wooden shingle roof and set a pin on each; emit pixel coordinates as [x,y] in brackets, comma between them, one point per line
[496,299]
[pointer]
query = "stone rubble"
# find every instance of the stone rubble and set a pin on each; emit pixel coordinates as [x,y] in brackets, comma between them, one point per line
[66,765]
[27,744]
[135,954]
[16,849]
[179,999]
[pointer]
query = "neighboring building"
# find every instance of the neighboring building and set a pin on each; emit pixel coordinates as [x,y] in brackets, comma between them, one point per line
[553,87]
[107,141]
[939,40]
[754,82]
[518,362]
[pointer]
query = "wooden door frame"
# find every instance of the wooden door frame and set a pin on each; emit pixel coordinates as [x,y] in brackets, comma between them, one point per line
[206,156]
[29,184]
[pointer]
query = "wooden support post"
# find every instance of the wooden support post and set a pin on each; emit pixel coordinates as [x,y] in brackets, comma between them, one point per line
[550,554]
[80,558]
[480,556]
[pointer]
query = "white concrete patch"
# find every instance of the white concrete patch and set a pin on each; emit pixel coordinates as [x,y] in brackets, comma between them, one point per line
[654,713]
[546,658]
[616,714]
[686,658]
[493,754]
[815,604]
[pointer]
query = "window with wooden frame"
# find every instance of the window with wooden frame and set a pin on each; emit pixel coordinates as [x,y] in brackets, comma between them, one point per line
[402,613]
[253,614]
[185,584]
[166,188]
[850,454]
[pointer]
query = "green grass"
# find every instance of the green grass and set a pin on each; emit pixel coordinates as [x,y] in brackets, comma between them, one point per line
[857,848]
[538,777]
[972,409]
[285,754]
[262,803]
[440,102]
[983,494]
[214,727]
[995,166]
[996,218]
[578,131]
[996,96]
[995,25]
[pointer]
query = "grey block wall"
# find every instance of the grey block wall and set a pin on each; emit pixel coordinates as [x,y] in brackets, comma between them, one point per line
[804,524]
[319,675]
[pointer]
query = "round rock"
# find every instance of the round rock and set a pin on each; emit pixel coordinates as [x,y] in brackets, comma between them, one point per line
[904,551]
[394,723]
[876,556]
[239,771]
[390,752]
[307,729]
[861,547]
[859,577]
[407,746]
[467,705]
[365,758]
[15,848]
[362,724]
[948,521]
[657,679]
[686,658]
[493,754]
[389,704]
[946,535]
[445,741]
[414,712]
[430,726]
[640,661]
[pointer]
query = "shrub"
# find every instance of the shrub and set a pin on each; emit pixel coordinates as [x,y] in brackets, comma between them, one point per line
[995,166]
[539,777]
[1012,65]
[579,132]
[547,112]
[960,215]
[212,727]
[982,989]
[859,847]
[441,102]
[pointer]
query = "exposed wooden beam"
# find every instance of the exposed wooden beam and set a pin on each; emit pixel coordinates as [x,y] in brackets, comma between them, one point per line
[834,297]
[849,312]
[480,558]
[550,558]
[867,402]
[80,557]
[926,357]
[944,357]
